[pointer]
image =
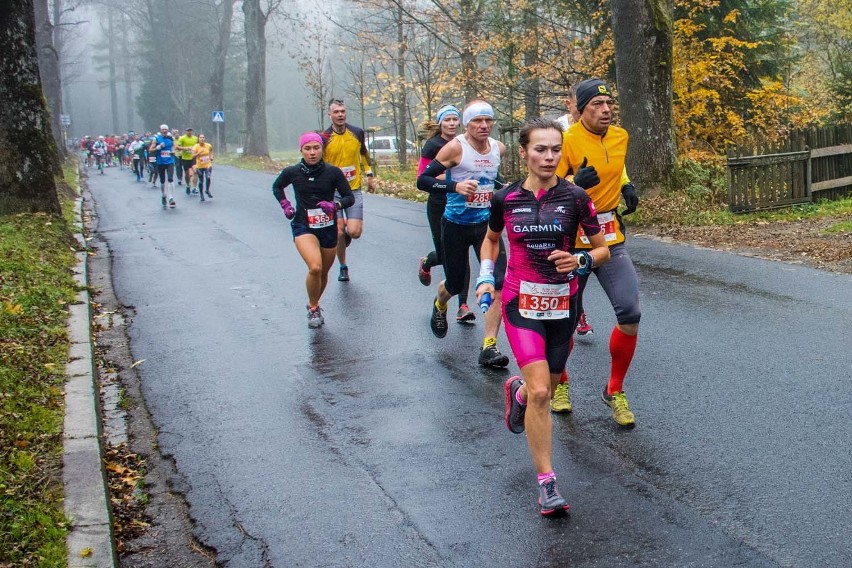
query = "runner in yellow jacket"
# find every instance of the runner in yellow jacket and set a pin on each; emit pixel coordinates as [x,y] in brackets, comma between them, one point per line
[345,148]
[593,141]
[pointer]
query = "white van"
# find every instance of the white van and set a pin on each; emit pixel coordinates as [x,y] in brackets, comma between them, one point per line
[384,149]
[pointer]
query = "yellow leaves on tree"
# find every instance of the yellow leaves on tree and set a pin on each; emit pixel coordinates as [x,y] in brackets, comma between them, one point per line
[706,78]
[713,105]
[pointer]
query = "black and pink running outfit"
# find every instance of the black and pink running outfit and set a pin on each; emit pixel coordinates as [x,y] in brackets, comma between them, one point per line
[536,226]
[312,184]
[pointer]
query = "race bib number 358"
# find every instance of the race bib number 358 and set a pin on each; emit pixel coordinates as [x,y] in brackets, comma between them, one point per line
[544,301]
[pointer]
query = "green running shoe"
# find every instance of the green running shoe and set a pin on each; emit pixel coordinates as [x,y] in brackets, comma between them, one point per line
[561,400]
[620,408]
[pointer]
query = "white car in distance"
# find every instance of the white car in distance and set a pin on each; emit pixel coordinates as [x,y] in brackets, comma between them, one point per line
[385,150]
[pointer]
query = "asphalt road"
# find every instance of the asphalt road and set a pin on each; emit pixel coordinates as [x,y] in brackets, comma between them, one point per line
[370,442]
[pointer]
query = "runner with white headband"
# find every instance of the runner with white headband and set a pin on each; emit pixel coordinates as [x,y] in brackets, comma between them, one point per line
[471,163]
[438,134]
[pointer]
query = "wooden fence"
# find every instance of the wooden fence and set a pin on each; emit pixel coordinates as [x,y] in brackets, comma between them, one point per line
[812,164]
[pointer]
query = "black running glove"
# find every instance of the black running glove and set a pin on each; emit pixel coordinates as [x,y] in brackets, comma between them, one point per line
[631,198]
[586,176]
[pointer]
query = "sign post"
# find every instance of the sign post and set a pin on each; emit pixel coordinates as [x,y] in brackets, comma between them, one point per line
[65,121]
[218,116]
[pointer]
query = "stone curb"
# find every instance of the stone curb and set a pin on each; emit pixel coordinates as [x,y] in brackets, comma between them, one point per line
[90,541]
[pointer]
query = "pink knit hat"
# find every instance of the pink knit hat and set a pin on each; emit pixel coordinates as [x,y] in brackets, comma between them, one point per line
[309,137]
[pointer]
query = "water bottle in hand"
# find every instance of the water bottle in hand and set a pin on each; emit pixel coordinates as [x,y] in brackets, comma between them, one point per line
[485,301]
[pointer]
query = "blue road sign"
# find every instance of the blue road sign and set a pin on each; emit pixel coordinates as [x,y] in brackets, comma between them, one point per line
[218,116]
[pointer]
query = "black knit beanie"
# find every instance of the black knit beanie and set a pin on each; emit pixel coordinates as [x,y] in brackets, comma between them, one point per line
[589,89]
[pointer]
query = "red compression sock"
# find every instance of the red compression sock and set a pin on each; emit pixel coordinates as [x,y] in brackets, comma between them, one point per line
[621,349]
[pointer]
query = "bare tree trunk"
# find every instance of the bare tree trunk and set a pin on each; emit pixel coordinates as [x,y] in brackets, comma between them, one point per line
[217,79]
[127,68]
[469,24]
[59,46]
[48,63]
[27,150]
[532,85]
[643,62]
[113,87]
[357,87]
[255,31]
[402,93]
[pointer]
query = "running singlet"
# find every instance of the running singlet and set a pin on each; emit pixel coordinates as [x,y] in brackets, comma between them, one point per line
[607,154]
[535,229]
[310,186]
[165,155]
[348,152]
[473,209]
[202,160]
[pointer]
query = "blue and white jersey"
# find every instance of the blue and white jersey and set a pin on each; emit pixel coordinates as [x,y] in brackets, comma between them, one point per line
[473,209]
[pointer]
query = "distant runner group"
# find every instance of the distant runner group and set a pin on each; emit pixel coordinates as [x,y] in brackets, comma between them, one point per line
[561,221]
[156,157]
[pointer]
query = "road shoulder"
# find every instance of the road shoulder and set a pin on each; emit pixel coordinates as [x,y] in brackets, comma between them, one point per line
[164,535]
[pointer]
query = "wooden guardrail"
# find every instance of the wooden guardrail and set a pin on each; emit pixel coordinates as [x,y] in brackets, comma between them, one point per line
[811,164]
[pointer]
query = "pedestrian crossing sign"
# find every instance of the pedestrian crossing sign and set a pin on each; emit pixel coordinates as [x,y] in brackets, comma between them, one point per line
[218,116]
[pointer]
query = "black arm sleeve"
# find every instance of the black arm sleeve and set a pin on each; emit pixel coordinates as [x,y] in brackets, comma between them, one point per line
[496,221]
[284,179]
[428,181]
[347,198]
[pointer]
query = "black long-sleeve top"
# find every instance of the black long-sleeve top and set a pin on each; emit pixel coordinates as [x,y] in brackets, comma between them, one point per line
[312,185]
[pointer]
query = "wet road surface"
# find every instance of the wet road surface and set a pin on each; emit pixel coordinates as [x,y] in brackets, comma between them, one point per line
[369,442]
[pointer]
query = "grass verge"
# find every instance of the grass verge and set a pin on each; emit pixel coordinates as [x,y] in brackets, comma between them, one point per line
[36,287]
[250,163]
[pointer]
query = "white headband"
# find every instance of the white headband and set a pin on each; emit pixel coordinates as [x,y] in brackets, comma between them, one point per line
[480,108]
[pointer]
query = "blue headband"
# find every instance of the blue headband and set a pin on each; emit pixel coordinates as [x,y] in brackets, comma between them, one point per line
[447,110]
[479,108]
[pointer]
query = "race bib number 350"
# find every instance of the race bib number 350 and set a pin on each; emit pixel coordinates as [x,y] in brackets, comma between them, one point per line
[317,219]
[544,301]
[481,198]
